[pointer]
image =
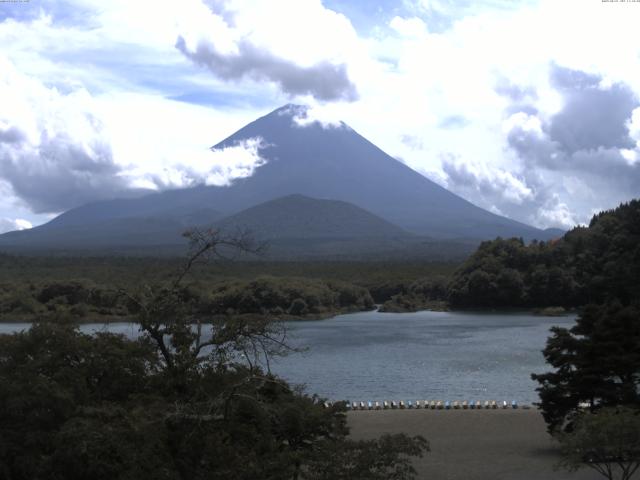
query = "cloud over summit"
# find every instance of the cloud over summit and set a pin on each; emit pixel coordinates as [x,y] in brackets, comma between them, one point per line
[324,81]
[234,44]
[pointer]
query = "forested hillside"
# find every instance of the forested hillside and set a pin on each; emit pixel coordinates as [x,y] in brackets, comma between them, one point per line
[588,265]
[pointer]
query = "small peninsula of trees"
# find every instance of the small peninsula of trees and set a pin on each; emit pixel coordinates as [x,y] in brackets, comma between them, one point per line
[284,297]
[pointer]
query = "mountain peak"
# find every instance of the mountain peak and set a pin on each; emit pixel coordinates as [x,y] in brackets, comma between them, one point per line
[291,110]
[293,106]
[302,156]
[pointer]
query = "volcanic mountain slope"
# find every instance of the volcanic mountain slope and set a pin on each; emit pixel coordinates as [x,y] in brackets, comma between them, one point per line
[294,227]
[322,162]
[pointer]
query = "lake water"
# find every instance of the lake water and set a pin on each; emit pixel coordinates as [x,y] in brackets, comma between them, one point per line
[423,355]
[410,356]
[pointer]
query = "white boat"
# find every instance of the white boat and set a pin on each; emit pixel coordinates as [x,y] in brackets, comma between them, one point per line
[385,405]
[377,405]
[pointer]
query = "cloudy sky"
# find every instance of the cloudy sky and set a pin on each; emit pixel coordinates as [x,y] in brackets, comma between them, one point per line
[530,109]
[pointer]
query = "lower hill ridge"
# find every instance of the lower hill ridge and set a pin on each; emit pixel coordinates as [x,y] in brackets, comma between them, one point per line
[295,227]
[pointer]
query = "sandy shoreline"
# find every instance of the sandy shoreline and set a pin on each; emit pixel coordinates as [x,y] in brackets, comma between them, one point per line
[473,444]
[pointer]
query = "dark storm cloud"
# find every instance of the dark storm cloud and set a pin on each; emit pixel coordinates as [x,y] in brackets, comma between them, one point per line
[608,163]
[566,79]
[592,124]
[535,149]
[59,173]
[574,158]
[592,116]
[325,81]
[11,135]
[570,164]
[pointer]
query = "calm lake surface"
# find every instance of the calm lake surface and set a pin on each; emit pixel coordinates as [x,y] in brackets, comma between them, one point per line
[410,356]
[423,355]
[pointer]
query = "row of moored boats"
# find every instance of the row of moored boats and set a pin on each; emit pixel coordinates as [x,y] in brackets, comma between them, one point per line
[432,405]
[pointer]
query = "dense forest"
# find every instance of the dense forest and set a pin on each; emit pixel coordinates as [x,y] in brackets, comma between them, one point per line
[90,289]
[588,265]
[288,297]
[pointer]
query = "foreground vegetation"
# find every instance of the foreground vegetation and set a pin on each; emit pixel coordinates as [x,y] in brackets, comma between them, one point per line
[591,398]
[607,442]
[192,398]
[591,264]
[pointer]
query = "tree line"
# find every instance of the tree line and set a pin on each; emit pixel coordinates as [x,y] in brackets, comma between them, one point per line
[592,264]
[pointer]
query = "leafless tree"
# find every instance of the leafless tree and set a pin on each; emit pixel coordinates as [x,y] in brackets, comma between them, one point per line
[185,333]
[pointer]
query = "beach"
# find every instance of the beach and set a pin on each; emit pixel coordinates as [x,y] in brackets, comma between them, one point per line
[473,444]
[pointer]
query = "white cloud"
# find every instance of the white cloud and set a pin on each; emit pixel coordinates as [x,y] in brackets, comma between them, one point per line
[555,213]
[435,61]
[60,149]
[218,167]
[165,155]
[11,224]
[325,115]
[492,187]
[413,27]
